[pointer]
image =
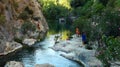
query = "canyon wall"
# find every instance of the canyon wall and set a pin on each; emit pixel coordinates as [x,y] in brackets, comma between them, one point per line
[20,19]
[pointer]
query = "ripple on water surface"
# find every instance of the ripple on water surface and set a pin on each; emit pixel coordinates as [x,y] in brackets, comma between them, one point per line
[41,56]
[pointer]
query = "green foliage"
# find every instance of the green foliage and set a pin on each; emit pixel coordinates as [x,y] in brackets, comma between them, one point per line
[27,26]
[104,2]
[53,10]
[111,3]
[83,11]
[18,40]
[95,17]
[111,51]
[82,23]
[15,5]
[24,15]
[111,21]
[117,4]
[28,10]
[77,3]
[97,7]
[2,19]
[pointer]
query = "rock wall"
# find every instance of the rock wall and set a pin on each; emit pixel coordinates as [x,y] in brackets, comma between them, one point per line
[20,19]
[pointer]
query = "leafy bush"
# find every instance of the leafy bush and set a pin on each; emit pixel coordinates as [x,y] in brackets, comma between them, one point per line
[110,51]
[77,3]
[18,40]
[82,23]
[53,10]
[27,26]
[85,25]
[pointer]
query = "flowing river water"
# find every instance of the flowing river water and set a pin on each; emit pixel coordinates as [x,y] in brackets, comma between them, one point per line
[40,53]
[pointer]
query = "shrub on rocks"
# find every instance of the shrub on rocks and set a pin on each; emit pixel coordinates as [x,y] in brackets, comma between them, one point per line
[2,19]
[110,51]
[27,26]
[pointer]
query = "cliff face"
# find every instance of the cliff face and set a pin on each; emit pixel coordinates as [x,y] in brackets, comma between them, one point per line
[20,19]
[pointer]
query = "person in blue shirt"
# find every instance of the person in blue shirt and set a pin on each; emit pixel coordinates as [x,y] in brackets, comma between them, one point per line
[84,38]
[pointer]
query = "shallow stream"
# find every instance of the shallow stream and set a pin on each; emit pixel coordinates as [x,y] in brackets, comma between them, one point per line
[40,53]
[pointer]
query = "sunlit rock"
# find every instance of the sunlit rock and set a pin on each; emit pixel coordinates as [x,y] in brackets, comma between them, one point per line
[74,50]
[29,42]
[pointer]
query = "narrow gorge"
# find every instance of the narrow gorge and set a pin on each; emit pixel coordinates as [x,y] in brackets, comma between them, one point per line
[59,33]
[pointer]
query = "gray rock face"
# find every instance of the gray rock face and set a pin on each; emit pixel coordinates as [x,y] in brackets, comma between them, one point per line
[14,64]
[13,14]
[44,65]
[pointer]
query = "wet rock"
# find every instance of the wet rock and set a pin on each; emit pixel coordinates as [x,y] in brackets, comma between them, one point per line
[29,42]
[44,65]
[14,64]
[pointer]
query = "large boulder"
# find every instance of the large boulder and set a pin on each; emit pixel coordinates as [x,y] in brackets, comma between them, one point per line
[14,64]
[29,42]
[44,65]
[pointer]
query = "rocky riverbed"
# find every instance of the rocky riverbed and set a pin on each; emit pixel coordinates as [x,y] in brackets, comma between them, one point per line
[40,55]
[74,49]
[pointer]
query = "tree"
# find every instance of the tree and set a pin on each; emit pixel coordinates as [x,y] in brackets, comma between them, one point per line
[78,3]
[53,10]
[104,2]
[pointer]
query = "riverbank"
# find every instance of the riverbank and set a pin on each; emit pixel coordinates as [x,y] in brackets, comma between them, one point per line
[10,48]
[74,49]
